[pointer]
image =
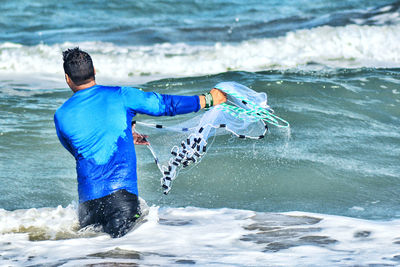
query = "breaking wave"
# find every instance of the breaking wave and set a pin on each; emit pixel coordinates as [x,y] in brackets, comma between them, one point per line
[351,46]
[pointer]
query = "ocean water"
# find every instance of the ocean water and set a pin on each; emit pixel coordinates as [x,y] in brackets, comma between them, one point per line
[323,193]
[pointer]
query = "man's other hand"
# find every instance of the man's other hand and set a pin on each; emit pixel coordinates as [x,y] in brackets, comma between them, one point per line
[139,139]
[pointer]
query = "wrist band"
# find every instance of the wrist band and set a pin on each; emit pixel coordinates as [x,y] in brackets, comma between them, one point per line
[209,100]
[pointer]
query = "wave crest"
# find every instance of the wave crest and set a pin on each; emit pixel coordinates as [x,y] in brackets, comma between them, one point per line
[352,46]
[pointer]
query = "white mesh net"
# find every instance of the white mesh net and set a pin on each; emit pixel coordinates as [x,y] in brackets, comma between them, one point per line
[244,115]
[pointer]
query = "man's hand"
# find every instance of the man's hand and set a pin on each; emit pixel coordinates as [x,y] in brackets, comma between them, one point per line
[139,139]
[218,96]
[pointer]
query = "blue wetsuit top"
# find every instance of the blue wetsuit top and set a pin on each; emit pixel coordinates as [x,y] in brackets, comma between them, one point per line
[95,126]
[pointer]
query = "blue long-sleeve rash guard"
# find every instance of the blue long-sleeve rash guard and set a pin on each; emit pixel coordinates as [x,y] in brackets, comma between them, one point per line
[95,126]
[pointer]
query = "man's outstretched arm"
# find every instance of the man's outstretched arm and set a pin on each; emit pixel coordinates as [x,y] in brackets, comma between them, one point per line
[155,104]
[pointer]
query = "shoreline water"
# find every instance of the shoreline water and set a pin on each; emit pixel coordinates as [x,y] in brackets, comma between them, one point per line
[217,237]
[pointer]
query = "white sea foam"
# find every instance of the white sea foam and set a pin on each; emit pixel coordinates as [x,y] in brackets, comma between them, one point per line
[43,223]
[349,46]
[221,237]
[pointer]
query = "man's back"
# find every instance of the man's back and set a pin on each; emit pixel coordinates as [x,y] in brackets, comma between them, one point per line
[94,125]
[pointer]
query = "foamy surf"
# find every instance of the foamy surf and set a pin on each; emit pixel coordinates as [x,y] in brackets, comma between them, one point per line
[351,46]
[207,237]
[51,223]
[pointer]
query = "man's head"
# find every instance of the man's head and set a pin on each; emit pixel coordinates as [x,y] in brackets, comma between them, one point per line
[78,67]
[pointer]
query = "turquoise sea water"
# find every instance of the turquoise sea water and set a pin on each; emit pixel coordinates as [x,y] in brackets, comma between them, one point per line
[330,69]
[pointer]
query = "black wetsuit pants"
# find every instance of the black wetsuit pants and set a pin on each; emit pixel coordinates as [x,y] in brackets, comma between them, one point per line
[116,212]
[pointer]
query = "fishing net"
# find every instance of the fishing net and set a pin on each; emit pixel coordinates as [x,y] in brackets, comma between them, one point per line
[245,114]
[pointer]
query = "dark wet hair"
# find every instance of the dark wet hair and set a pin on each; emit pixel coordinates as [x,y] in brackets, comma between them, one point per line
[78,65]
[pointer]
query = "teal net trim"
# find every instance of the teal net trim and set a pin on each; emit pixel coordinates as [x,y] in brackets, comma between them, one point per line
[255,113]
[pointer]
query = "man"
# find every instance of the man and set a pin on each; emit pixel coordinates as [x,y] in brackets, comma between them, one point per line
[94,125]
